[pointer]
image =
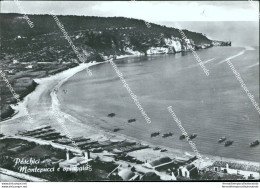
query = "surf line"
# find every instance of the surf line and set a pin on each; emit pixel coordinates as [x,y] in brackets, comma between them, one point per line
[232,57]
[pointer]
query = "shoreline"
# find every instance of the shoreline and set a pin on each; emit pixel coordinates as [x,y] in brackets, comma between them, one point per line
[59,79]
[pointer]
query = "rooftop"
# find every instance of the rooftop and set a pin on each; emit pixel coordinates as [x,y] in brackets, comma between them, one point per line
[126,174]
[76,161]
[237,166]
[160,161]
[190,167]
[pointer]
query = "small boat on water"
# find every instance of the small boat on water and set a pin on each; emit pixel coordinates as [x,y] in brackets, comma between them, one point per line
[111,115]
[222,139]
[131,120]
[167,135]
[156,148]
[163,150]
[182,137]
[194,135]
[255,143]
[155,134]
[228,143]
[116,129]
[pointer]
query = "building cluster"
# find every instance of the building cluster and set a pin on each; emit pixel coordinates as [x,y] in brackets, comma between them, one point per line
[115,160]
[169,169]
[242,171]
[119,28]
[221,43]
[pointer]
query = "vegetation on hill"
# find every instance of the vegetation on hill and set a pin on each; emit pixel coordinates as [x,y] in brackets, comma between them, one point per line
[88,33]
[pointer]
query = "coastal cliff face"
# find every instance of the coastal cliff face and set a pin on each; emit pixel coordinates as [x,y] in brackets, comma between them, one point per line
[175,43]
[28,53]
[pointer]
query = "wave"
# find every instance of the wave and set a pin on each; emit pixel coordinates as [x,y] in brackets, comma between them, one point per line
[254,65]
[203,62]
[249,48]
[232,57]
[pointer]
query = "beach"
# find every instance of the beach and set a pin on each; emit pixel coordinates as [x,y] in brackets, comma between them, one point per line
[40,102]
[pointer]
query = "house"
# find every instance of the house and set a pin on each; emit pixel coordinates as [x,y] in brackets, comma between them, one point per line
[188,171]
[75,162]
[15,61]
[29,67]
[128,175]
[124,174]
[51,161]
[150,176]
[248,171]
[162,163]
[12,71]
[25,63]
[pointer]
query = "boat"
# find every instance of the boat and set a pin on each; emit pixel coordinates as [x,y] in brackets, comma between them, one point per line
[155,134]
[116,129]
[194,135]
[255,143]
[182,137]
[97,150]
[167,135]
[131,120]
[111,115]
[228,143]
[163,150]
[156,148]
[222,139]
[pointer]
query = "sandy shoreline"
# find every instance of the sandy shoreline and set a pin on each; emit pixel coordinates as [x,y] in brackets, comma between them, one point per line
[40,101]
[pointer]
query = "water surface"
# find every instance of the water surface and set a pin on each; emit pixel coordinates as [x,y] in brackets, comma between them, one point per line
[211,106]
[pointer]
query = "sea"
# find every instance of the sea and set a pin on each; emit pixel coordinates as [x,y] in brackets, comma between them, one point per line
[211,106]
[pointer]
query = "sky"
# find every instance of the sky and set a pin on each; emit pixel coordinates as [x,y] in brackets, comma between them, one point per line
[152,11]
[242,16]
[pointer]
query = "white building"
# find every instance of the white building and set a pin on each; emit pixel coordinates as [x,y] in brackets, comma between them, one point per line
[157,50]
[188,171]
[75,161]
[29,67]
[15,61]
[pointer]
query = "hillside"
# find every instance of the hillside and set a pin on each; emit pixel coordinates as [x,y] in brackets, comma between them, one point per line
[90,34]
